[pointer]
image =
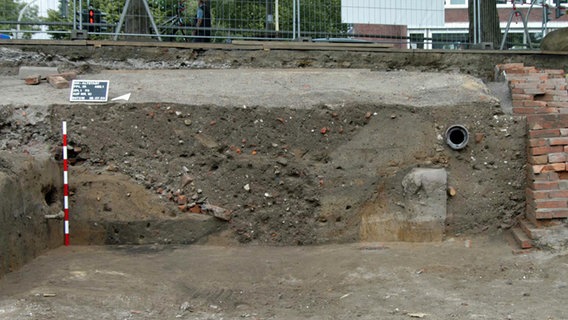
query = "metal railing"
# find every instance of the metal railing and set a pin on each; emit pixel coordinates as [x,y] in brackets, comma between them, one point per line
[418,25]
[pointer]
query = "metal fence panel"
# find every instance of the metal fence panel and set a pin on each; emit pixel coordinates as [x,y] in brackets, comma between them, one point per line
[402,23]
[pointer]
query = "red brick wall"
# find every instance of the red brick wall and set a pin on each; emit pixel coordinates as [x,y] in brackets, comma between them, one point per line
[542,96]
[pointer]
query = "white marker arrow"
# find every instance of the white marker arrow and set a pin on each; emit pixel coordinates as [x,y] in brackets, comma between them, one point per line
[125,97]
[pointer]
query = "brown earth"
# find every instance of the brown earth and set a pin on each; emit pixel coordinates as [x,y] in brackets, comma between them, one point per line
[299,157]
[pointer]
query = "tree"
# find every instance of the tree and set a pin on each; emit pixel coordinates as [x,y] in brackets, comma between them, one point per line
[489,29]
[10,13]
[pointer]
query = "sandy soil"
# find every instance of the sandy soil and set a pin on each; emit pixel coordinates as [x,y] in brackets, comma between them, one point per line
[461,278]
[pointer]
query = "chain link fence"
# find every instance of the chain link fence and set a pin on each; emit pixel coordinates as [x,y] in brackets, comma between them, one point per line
[421,24]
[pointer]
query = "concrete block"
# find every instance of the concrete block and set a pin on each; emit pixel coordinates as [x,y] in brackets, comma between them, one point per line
[43,72]
[425,194]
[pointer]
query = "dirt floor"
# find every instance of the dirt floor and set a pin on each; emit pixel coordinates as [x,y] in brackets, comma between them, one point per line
[253,165]
[461,278]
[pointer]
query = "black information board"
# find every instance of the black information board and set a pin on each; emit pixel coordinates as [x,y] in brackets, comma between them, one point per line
[89,90]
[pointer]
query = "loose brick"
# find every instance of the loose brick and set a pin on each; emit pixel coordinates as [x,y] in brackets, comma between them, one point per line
[33,80]
[70,75]
[58,82]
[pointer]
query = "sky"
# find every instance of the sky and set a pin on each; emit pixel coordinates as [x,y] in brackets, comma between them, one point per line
[44,5]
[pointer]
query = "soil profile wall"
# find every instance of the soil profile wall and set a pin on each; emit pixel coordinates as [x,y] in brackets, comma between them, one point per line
[30,188]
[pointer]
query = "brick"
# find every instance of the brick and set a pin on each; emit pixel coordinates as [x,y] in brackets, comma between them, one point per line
[551,213]
[555,194]
[546,150]
[517,90]
[542,121]
[544,97]
[507,66]
[33,80]
[537,195]
[558,104]
[539,142]
[534,103]
[559,72]
[195,209]
[543,215]
[558,141]
[536,92]
[557,157]
[559,214]
[547,133]
[564,131]
[537,168]
[544,185]
[541,159]
[551,203]
[561,98]
[554,167]
[182,200]
[520,96]
[549,109]
[530,85]
[524,110]
[563,175]
[69,75]
[546,176]
[58,82]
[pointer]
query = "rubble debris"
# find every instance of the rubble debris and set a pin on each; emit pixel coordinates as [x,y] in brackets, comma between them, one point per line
[217,212]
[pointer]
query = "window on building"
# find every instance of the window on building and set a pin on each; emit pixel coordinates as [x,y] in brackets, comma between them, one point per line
[417,41]
[449,40]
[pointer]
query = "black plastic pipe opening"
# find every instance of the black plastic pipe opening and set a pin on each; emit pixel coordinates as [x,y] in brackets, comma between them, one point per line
[457,137]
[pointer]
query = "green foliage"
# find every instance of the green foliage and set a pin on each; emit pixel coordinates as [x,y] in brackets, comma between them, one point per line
[10,12]
[230,18]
